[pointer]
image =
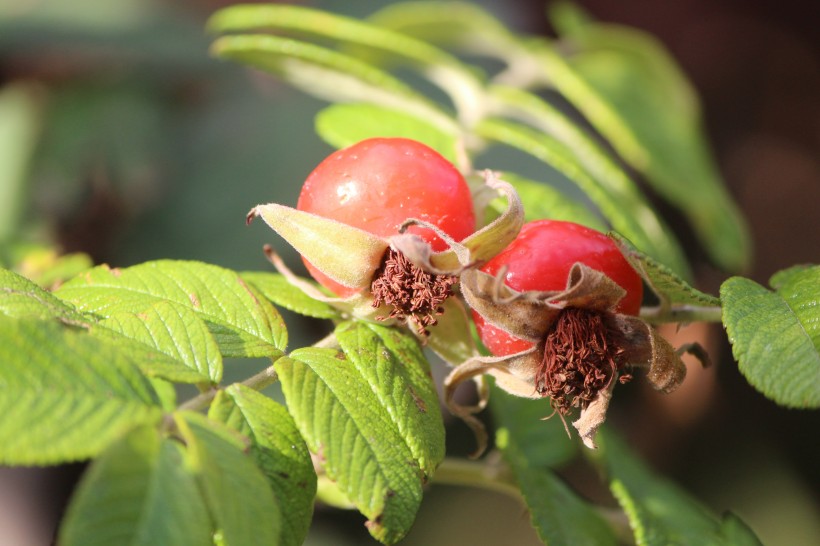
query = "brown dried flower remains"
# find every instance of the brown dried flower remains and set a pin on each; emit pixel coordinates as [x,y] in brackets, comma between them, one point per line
[410,291]
[583,353]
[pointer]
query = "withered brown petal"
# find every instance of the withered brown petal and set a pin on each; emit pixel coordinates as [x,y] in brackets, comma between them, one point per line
[522,314]
[593,416]
[513,373]
[648,349]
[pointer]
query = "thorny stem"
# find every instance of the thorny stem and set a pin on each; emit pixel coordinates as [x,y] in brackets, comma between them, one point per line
[257,382]
[681,313]
[493,474]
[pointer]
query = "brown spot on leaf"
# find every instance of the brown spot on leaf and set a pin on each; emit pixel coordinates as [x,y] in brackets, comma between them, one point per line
[194,299]
[418,400]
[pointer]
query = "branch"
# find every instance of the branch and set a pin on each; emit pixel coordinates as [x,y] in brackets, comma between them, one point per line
[681,313]
[257,382]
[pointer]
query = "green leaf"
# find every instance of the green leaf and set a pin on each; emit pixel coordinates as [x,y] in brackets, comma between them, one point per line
[461,25]
[735,532]
[567,17]
[775,336]
[176,332]
[237,493]
[327,74]
[326,25]
[531,445]
[342,125]
[243,323]
[279,451]
[158,366]
[392,362]
[277,289]
[543,201]
[373,417]
[383,44]
[558,514]
[668,286]
[659,513]
[653,101]
[623,207]
[138,492]
[20,297]
[541,442]
[65,395]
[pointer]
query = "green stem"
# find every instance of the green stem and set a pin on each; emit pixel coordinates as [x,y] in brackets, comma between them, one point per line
[257,382]
[490,476]
[681,313]
[494,475]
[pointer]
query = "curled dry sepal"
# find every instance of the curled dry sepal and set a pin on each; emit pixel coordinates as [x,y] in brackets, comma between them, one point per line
[582,347]
[397,278]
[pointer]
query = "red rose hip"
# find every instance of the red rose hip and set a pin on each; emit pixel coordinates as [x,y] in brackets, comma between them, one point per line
[541,257]
[377,184]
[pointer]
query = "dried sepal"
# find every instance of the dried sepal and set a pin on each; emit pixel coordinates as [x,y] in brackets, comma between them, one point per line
[355,305]
[530,315]
[346,254]
[581,346]
[450,337]
[476,248]
[512,373]
[593,416]
[650,350]
[354,258]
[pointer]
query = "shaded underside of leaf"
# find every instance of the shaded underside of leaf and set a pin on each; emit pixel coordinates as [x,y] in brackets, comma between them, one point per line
[242,506]
[659,512]
[65,395]
[775,336]
[541,441]
[279,451]
[138,492]
[243,323]
[634,74]
[530,446]
[665,283]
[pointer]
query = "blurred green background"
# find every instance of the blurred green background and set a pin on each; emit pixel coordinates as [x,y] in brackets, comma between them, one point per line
[120,137]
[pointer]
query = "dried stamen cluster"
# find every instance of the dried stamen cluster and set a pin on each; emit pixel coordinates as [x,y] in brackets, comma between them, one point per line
[410,291]
[583,353]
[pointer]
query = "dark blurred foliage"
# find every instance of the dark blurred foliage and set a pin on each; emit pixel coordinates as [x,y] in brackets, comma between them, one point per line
[150,149]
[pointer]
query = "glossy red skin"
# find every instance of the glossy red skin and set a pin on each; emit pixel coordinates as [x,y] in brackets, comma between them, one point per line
[541,257]
[379,183]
